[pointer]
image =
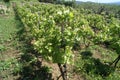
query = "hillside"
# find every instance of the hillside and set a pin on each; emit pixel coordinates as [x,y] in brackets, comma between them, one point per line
[45,41]
[112,3]
[116,3]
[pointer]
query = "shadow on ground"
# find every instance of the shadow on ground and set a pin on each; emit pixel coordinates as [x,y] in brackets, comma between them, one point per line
[33,70]
[95,66]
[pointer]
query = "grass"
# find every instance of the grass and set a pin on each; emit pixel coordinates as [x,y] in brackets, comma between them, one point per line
[7,28]
[8,51]
[93,64]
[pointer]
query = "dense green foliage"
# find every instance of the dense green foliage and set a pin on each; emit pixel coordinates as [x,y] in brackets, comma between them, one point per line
[6,0]
[98,8]
[63,2]
[45,24]
[52,31]
[106,28]
[56,31]
[105,22]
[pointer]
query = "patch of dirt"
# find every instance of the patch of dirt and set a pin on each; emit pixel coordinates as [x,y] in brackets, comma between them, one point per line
[97,55]
[7,55]
[55,72]
[10,53]
[55,69]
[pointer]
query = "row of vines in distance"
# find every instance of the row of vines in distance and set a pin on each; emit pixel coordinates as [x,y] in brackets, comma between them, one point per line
[54,29]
